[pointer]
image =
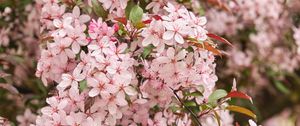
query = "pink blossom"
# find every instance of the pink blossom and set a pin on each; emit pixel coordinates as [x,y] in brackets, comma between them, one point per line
[176,30]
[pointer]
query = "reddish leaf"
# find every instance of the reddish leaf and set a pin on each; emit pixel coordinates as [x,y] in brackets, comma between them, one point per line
[237,94]
[221,39]
[147,21]
[122,20]
[156,17]
[208,47]
[241,110]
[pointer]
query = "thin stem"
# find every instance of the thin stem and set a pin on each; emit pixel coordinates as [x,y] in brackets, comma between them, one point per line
[192,113]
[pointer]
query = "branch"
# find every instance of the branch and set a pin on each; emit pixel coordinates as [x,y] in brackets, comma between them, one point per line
[193,114]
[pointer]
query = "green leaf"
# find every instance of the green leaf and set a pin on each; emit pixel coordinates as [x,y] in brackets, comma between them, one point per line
[204,107]
[98,9]
[136,14]
[175,108]
[241,110]
[280,86]
[217,94]
[189,103]
[128,8]
[147,51]
[82,85]
[196,93]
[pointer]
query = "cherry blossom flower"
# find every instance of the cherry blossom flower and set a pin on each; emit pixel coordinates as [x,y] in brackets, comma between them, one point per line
[63,26]
[176,30]
[76,15]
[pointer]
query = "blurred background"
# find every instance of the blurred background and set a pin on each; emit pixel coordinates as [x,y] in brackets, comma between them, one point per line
[265,59]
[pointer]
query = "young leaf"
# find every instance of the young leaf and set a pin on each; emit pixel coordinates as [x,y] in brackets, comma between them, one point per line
[241,110]
[157,17]
[147,21]
[98,9]
[237,94]
[136,14]
[217,94]
[221,39]
[208,47]
[122,20]
[147,51]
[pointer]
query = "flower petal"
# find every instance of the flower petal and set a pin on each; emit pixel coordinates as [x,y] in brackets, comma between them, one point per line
[168,35]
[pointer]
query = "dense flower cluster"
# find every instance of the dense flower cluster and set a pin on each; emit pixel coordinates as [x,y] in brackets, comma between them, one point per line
[106,78]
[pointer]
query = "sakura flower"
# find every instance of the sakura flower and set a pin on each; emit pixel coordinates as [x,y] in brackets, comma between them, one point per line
[61,50]
[63,26]
[69,80]
[113,101]
[75,119]
[112,4]
[78,38]
[176,30]
[100,85]
[153,34]
[76,15]
[56,105]
[156,5]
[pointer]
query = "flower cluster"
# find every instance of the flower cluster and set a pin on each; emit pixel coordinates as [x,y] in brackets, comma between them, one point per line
[130,72]
[114,62]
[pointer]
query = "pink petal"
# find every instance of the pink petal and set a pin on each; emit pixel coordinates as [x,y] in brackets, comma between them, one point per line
[168,26]
[111,88]
[65,83]
[130,90]
[57,23]
[171,53]
[168,35]
[121,99]
[94,92]
[163,60]
[70,53]
[84,18]
[66,42]
[76,11]
[148,40]
[179,39]
[112,108]
[92,82]
[181,54]
[70,120]
[75,47]
[62,104]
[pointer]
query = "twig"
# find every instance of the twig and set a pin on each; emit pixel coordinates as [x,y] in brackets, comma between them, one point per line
[193,114]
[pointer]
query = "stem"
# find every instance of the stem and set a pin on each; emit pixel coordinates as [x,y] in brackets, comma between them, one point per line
[192,113]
